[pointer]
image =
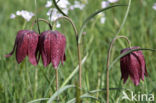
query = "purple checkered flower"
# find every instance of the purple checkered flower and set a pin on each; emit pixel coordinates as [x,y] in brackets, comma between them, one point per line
[133,65]
[26,45]
[52,46]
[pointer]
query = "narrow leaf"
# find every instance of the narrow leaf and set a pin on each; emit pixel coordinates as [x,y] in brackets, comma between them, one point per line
[52,98]
[93,15]
[83,96]
[37,100]
[74,72]
[57,7]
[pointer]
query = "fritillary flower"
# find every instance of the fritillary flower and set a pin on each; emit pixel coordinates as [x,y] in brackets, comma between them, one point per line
[52,47]
[26,45]
[133,65]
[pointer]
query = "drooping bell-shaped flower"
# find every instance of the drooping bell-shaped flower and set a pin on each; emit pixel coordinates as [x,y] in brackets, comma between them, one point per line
[52,47]
[26,45]
[133,65]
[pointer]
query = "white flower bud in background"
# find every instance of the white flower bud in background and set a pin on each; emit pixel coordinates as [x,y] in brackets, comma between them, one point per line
[48,4]
[12,16]
[23,13]
[154,6]
[78,5]
[58,25]
[54,14]
[27,15]
[102,20]
[113,1]
[102,17]
[104,4]
[63,3]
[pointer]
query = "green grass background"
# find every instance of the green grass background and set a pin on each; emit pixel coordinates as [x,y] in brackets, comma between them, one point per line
[21,83]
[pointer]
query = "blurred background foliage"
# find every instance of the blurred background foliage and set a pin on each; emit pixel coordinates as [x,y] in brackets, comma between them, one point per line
[21,83]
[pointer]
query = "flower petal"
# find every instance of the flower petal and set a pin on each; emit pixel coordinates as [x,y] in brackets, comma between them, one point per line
[58,48]
[47,48]
[22,46]
[134,69]
[124,68]
[43,39]
[63,49]
[32,47]
[141,60]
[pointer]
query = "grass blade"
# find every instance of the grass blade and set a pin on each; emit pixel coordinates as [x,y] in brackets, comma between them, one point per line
[93,15]
[125,17]
[83,96]
[37,100]
[74,72]
[52,98]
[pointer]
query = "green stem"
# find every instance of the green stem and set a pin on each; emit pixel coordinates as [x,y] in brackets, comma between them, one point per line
[108,59]
[57,84]
[38,26]
[57,7]
[56,72]
[91,16]
[40,19]
[49,82]
[36,81]
[25,22]
[125,17]
[73,72]
[36,71]
[68,19]
[78,45]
